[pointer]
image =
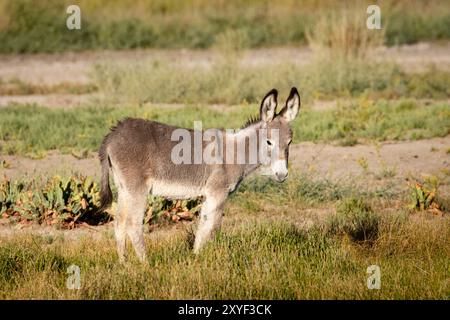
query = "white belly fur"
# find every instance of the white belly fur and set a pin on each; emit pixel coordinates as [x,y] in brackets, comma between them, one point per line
[175,190]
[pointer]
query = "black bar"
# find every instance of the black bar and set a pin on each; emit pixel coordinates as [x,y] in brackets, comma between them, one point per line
[224,309]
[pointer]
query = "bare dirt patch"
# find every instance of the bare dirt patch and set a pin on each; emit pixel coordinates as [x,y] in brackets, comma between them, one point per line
[405,158]
[50,100]
[385,160]
[54,163]
[75,67]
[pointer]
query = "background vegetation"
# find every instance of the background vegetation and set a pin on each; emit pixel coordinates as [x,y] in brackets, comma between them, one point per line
[30,26]
[31,130]
[228,82]
[343,66]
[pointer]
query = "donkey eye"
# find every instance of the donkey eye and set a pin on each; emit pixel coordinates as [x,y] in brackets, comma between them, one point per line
[269,143]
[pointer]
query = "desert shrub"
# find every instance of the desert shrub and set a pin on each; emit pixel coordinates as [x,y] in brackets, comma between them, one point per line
[161,210]
[57,200]
[425,196]
[68,201]
[355,218]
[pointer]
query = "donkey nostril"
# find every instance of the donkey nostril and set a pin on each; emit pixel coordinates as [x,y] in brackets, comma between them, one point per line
[281,176]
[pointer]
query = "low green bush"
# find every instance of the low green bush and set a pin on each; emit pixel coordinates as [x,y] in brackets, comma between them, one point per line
[355,218]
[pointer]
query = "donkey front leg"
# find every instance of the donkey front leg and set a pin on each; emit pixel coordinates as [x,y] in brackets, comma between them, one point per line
[210,220]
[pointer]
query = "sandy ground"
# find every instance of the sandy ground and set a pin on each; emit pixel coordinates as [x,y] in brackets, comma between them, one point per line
[63,101]
[408,158]
[73,67]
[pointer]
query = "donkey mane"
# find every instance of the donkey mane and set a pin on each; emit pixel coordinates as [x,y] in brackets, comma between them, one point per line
[250,121]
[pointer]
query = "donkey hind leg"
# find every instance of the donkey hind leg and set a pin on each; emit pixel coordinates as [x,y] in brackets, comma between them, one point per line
[210,220]
[135,223]
[120,224]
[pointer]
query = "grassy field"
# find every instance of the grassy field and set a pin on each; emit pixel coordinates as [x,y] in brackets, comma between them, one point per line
[267,252]
[308,238]
[18,87]
[254,261]
[27,26]
[314,236]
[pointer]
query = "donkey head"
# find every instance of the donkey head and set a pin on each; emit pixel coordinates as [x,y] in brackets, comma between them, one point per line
[279,132]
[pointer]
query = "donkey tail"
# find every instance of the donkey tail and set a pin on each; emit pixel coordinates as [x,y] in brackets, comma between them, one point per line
[106,196]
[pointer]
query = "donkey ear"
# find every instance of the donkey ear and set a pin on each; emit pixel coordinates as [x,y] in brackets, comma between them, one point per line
[290,111]
[268,106]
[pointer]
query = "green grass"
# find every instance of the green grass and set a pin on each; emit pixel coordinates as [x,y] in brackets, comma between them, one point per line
[31,130]
[378,121]
[27,26]
[261,195]
[253,260]
[301,190]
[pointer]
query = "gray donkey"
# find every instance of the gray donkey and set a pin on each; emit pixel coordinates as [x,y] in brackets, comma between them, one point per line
[140,154]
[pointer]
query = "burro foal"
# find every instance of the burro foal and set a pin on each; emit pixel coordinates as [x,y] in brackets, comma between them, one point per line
[150,157]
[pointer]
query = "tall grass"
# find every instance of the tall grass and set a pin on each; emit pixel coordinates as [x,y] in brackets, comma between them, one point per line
[341,35]
[30,26]
[263,260]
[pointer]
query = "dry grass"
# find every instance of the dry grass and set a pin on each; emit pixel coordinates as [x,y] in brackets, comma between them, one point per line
[250,260]
[226,81]
[276,243]
[342,35]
